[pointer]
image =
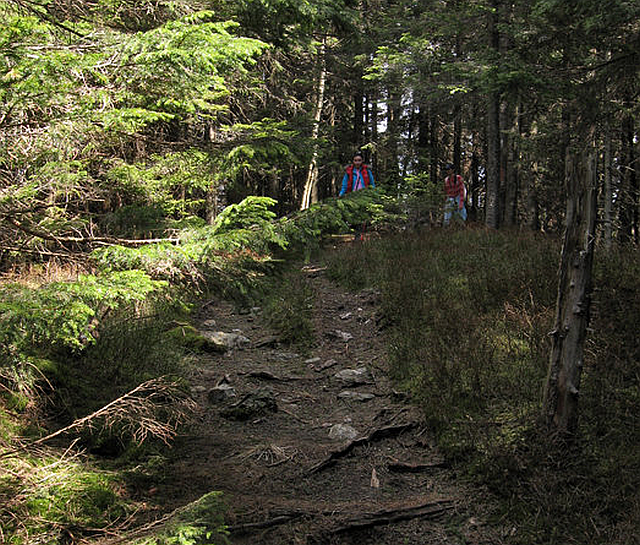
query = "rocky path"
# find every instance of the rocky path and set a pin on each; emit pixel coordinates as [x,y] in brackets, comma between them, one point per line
[317,448]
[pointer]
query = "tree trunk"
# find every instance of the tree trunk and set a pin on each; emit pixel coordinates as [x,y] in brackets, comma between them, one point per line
[608,193]
[434,168]
[312,174]
[492,208]
[474,184]
[628,193]
[492,203]
[510,181]
[574,296]
[393,132]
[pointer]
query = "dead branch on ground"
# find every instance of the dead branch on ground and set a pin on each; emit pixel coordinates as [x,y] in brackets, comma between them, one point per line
[375,435]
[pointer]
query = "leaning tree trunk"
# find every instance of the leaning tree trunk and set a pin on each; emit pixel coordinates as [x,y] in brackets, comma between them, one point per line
[574,296]
[312,173]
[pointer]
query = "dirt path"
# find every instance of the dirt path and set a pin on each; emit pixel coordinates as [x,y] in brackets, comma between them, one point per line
[285,479]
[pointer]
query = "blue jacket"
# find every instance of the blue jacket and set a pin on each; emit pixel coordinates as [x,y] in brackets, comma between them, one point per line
[357,180]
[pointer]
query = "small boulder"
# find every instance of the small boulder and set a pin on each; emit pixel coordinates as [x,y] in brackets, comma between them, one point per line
[343,432]
[355,396]
[221,393]
[354,377]
[253,404]
[221,341]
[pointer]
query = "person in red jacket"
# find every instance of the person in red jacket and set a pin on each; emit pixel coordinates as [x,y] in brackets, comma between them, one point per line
[455,194]
[358,176]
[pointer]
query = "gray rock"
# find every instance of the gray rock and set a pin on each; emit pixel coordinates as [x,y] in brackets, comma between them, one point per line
[312,361]
[355,396]
[341,335]
[343,432]
[354,377]
[226,341]
[253,404]
[221,393]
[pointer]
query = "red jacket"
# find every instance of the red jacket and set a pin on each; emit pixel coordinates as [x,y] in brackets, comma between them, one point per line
[365,176]
[454,187]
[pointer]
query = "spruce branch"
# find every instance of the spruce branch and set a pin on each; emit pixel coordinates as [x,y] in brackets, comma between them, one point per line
[154,408]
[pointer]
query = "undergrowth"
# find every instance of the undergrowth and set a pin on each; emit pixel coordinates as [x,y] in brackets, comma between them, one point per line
[288,302]
[467,314]
[93,354]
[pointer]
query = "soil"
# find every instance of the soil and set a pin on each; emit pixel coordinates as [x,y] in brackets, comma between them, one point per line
[284,479]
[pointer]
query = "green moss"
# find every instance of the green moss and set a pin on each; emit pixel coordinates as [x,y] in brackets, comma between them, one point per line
[200,523]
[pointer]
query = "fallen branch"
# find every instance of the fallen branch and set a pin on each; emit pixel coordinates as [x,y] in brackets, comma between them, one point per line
[404,467]
[366,519]
[108,241]
[430,509]
[136,410]
[280,518]
[266,375]
[375,435]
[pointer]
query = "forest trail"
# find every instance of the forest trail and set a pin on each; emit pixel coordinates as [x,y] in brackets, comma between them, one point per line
[284,478]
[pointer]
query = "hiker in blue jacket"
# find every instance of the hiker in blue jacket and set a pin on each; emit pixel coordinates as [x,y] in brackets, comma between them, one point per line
[358,176]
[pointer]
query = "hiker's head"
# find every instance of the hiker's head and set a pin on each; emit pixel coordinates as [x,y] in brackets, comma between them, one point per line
[358,159]
[449,167]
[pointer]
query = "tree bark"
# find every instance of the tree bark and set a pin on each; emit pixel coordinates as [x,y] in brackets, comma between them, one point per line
[492,204]
[574,295]
[510,180]
[492,208]
[628,194]
[608,193]
[312,173]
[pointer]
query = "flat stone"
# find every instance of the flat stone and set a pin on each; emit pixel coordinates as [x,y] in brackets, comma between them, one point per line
[343,432]
[226,341]
[355,396]
[354,377]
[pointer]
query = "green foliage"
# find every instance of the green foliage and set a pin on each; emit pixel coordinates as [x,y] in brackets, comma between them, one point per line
[251,211]
[466,319]
[62,315]
[180,67]
[288,305]
[421,198]
[467,315]
[69,497]
[199,523]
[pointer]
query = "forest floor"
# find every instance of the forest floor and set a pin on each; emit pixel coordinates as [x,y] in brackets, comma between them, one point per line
[285,479]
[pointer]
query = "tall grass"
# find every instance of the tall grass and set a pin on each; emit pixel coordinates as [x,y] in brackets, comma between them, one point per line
[468,314]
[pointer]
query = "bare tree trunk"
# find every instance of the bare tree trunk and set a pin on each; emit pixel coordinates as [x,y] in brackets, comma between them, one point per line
[492,204]
[312,173]
[434,168]
[608,193]
[574,295]
[628,193]
[492,208]
[457,139]
[510,181]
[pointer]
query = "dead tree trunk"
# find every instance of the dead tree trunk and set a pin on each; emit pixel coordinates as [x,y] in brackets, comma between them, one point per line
[608,192]
[312,173]
[574,295]
[492,202]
